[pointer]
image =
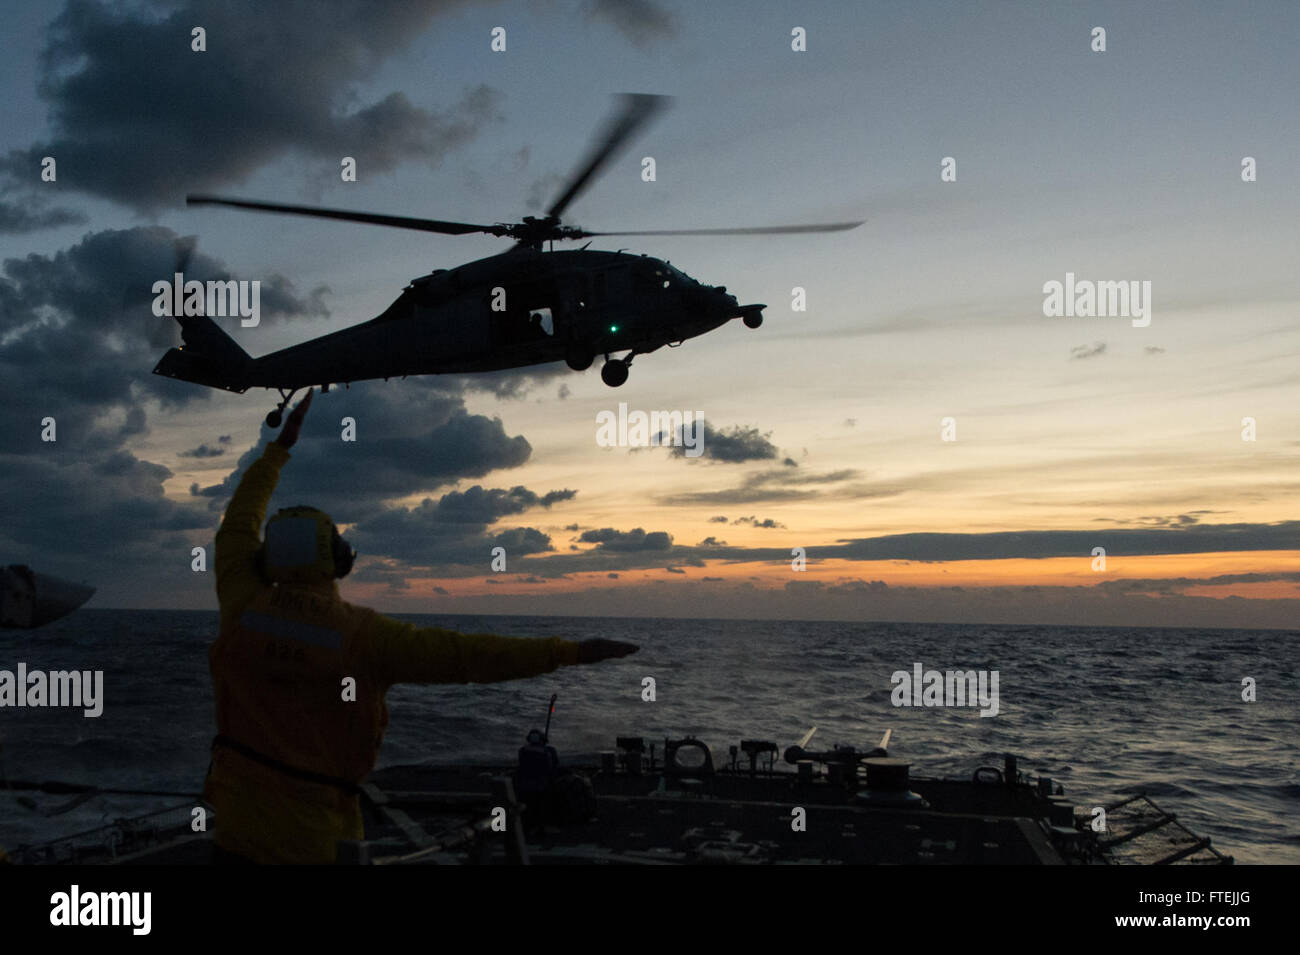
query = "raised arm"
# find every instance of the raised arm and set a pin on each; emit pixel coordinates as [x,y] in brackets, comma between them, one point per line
[239,536]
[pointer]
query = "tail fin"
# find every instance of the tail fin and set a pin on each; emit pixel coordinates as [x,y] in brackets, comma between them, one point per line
[208,357]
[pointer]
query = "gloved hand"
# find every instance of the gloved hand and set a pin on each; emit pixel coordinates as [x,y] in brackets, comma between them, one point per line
[293,424]
[598,648]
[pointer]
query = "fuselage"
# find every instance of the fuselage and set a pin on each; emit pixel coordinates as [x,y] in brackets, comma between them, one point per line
[521,307]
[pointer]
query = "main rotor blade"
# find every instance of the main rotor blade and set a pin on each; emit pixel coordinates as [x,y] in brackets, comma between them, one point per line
[638,108]
[399,222]
[760,230]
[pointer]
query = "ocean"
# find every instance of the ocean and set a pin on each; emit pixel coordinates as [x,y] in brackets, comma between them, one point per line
[1104,711]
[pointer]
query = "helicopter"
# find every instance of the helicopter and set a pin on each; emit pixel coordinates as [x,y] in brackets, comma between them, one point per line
[521,307]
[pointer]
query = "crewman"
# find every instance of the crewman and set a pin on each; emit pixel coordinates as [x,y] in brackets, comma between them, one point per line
[299,675]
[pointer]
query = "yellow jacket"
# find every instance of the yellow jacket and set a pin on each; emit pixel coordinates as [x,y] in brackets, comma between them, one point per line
[299,676]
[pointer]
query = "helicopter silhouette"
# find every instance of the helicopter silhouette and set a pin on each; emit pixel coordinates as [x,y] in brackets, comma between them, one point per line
[524,306]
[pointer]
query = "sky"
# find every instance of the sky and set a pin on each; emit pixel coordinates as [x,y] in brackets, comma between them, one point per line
[931,443]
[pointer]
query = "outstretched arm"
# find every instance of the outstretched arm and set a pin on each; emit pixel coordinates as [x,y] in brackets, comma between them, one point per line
[239,536]
[400,652]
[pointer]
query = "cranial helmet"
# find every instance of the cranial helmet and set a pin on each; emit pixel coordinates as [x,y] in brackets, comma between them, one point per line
[304,546]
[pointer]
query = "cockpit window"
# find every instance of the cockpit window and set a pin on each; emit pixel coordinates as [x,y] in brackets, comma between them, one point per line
[667,275]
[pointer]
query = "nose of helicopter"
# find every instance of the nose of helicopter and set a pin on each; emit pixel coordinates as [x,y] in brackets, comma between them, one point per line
[714,299]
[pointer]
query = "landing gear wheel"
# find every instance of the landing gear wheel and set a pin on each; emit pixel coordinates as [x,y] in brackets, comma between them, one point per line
[753,319]
[274,418]
[614,372]
[578,360]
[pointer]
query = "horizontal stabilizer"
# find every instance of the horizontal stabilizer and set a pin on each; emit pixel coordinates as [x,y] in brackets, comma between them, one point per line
[208,357]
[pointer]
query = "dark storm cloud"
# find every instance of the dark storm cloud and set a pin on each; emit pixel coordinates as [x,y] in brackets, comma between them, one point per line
[203,451]
[478,505]
[512,383]
[733,445]
[455,529]
[78,338]
[80,514]
[633,541]
[78,341]
[30,214]
[411,438]
[139,117]
[640,21]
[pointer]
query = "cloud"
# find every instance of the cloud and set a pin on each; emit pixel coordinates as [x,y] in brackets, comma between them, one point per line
[31,214]
[1177,585]
[640,21]
[411,438]
[633,541]
[203,451]
[639,550]
[92,515]
[78,342]
[766,523]
[785,484]
[78,338]
[1177,520]
[138,117]
[483,506]
[454,530]
[1175,539]
[732,445]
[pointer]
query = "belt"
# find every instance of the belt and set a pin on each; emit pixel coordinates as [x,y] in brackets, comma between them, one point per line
[306,775]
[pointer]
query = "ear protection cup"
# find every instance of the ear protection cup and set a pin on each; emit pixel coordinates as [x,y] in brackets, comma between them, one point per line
[344,554]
